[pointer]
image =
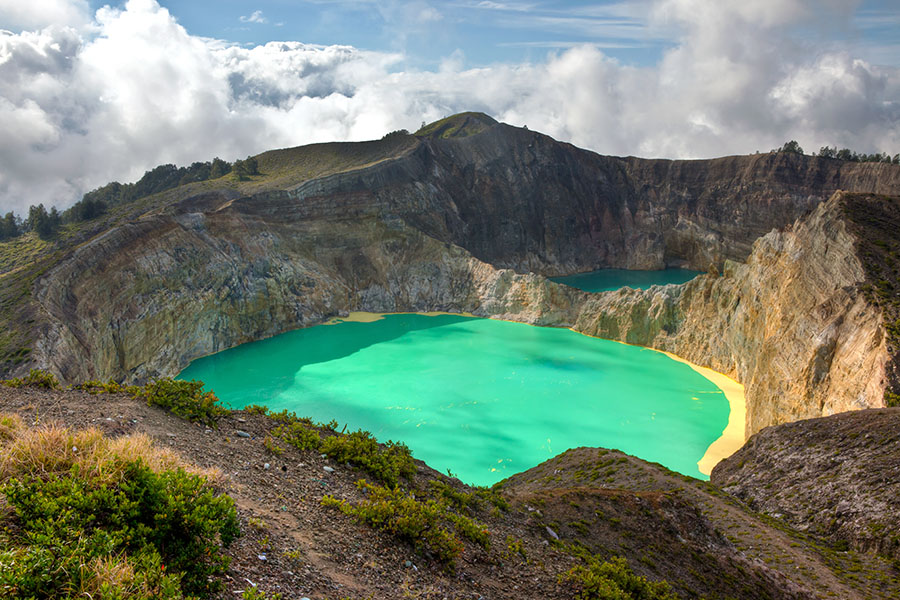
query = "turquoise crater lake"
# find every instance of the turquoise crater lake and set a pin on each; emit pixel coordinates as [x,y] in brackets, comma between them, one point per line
[607,280]
[482,398]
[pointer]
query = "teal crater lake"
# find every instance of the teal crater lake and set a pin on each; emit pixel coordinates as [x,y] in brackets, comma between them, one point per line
[481,398]
[608,280]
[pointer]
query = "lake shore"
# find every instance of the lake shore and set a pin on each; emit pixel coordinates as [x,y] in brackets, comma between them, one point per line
[732,437]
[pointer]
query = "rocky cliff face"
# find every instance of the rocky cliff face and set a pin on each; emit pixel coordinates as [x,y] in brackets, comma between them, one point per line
[519,199]
[792,323]
[445,224]
[148,297]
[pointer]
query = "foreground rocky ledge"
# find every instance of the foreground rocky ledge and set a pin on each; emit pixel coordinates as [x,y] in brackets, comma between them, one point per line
[833,476]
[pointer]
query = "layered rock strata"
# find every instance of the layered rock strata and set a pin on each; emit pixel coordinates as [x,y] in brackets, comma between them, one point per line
[792,323]
[444,225]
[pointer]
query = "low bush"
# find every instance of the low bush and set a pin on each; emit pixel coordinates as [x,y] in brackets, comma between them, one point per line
[386,463]
[107,387]
[614,580]
[361,449]
[36,378]
[400,513]
[298,435]
[93,517]
[185,399]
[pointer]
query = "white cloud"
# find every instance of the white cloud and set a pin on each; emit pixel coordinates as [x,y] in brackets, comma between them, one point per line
[29,15]
[77,111]
[255,17]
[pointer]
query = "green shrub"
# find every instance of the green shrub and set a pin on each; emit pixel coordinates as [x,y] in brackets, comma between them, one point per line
[361,449]
[35,378]
[271,447]
[109,387]
[185,399]
[614,580]
[469,529]
[160,534]
[459,500]
[400,513]
[386,464]
[253,593]
[298,435]
[891,399]
[492,495]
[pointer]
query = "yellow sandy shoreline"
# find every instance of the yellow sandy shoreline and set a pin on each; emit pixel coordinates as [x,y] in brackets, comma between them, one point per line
[732,437]
[728,443]
[368,317]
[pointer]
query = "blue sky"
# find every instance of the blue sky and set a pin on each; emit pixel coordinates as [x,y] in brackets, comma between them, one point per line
[92,92]
[488,32]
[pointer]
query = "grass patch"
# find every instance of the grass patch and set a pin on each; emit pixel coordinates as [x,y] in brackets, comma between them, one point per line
[460,125]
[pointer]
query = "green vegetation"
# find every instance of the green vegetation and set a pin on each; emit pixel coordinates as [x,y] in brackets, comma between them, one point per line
[35,378]
[387,463]
[9,226]
[426,524]
[96,203]
[612,580]
[891,399]
[244,169]
[461,125]
[253,593]
[91,517]
[792,147]
[359,448]
[183,398]
[469,501]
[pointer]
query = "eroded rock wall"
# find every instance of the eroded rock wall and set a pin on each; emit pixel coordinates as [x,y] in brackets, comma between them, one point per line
[146,298]
[791,323]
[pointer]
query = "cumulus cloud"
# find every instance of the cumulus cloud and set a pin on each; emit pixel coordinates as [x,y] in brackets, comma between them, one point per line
[36,14]
[80,107]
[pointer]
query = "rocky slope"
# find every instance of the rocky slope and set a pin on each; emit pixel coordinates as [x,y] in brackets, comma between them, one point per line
[834,476]
[430,222]
[594,501]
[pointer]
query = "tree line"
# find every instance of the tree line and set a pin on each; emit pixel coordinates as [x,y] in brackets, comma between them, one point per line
[96,202]
[792,147]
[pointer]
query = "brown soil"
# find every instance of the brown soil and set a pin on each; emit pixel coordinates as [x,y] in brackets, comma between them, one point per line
[668,526]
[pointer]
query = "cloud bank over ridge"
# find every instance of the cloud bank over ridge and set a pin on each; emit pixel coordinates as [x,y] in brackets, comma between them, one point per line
[85,99]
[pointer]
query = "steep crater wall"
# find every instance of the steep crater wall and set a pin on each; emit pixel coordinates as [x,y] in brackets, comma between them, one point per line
[792,323]
[443,226]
